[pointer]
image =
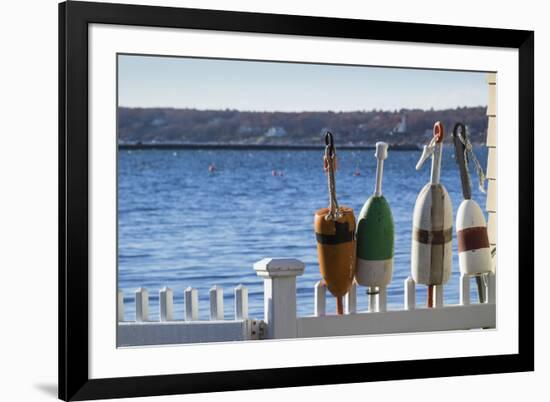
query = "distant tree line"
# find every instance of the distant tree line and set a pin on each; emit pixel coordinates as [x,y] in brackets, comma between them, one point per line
[166,125]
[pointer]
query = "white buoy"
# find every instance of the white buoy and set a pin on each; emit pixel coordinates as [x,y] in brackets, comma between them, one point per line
[431,253]
[474,253]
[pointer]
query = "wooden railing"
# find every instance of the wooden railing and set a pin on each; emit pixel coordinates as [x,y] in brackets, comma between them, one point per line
[281,321]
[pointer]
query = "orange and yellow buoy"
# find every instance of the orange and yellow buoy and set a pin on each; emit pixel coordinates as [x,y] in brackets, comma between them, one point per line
[335,232]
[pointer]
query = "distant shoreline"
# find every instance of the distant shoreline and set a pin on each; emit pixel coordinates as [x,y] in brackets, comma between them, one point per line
[267,147]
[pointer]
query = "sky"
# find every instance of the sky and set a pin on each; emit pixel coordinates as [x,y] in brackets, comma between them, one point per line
[178,82]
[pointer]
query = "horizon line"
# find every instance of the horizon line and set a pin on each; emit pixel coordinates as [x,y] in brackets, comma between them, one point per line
[303,111]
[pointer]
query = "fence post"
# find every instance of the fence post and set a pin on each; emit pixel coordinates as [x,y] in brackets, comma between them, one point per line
[464,289]
[241,302]
[216,303]
[191,304]
[320,299]
[279,275]
[351,299]
[142,305]
[166,304]
[120,305]
[410,294]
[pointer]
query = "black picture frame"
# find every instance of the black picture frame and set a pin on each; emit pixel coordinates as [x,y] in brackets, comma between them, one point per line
[74,18]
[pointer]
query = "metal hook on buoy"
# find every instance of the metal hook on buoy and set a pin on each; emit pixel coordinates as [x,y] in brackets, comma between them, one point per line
[330,152]
[460,138]
[434,149]
[468,152]
[427,151]
[329,141]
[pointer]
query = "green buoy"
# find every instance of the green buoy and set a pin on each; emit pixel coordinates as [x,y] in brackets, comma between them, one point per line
[375,234]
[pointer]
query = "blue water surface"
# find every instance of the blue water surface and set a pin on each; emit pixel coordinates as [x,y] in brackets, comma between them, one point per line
[180,225]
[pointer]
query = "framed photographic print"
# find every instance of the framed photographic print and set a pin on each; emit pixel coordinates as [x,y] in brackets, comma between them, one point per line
[240,191]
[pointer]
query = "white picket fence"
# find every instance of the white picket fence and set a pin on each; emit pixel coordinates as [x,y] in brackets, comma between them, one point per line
[143,331]
[280,313]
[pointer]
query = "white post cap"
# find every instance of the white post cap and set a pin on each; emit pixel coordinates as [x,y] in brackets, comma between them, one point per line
[278,267]
[381,150]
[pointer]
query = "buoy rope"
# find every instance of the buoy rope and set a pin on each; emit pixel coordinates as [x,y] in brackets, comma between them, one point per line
[330,165]
[469,154]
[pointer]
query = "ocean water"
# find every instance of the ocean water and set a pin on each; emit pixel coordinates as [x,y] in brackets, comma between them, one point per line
[180,225]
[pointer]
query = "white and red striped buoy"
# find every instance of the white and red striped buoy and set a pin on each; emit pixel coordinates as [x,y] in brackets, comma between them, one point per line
[431,253]
[474,253]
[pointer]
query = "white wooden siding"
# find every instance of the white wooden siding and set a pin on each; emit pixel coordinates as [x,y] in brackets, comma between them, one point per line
[492,163]
[492,228]
[492,196]
[492,132]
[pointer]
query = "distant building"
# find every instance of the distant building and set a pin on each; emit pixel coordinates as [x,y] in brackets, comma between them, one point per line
[275,131]
[401,127]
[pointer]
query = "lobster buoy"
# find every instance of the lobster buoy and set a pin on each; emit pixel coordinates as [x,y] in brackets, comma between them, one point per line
[431,254]
[335,233]
[375,234]
[474,253]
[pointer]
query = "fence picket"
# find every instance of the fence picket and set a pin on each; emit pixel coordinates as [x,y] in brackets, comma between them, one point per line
[438,296]
[191,304]
[464,289]
[142,304]
[120,305]
[382,299]
[491,288]
[166,304]
[410,294]
[241,302]
[320,299]
[216,303]
[351,299]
